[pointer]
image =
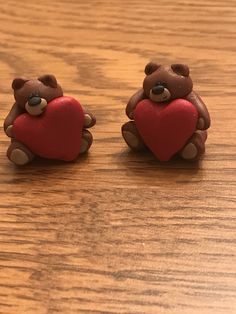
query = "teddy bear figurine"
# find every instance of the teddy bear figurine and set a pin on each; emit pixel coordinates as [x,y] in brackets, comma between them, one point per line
[167,116]
[42,122]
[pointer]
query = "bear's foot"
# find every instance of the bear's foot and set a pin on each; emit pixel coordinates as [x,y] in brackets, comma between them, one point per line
[195,147]
[86,142]
[132,137]
[19,154]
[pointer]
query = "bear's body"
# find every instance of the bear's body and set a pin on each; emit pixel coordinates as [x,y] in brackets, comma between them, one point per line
[44,123]
[167,116]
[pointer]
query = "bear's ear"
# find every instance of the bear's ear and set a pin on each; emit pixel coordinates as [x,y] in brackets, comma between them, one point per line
[18,82]
[180,69]
[151,67]
[48,80]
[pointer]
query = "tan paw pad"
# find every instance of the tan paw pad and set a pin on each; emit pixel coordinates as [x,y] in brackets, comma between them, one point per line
[131,139]
[87,120]
[19,157]
[190,151]
[84,146]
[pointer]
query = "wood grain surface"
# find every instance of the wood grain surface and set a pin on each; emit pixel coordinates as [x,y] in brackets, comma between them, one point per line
[118,232]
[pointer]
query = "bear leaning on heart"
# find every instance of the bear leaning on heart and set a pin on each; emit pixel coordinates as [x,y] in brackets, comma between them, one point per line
[166,115]
[44,123]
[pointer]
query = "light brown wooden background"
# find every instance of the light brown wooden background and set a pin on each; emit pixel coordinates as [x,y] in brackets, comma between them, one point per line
[119,232]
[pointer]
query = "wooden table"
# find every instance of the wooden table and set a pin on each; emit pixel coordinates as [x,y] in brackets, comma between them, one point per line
[118,232]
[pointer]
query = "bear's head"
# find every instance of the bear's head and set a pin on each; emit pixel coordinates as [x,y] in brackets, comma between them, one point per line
[166,83]
[34,95]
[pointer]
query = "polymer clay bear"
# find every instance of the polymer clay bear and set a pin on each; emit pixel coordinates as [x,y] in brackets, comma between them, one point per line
[43,122]
[167,116]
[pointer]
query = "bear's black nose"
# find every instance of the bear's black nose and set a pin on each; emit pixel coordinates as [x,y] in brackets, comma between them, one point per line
[34,101]
[158,89]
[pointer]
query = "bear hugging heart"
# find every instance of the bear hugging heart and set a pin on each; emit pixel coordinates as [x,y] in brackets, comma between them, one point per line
[55,134]
[165,128]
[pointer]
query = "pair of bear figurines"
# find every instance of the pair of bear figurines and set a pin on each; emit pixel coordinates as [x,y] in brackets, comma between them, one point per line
[166,116]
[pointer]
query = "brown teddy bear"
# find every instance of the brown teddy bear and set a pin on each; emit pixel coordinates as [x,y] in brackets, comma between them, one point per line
[33,99]
[162,86]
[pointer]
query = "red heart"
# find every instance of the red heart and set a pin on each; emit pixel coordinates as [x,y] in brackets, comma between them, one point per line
[55,134]
[165,128]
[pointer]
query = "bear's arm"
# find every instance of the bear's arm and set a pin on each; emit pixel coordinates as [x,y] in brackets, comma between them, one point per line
[12,115]
[204,120]
[134,100]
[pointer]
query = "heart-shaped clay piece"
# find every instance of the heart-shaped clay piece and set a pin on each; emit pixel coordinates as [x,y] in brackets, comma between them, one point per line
[165,128]
[55,134]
